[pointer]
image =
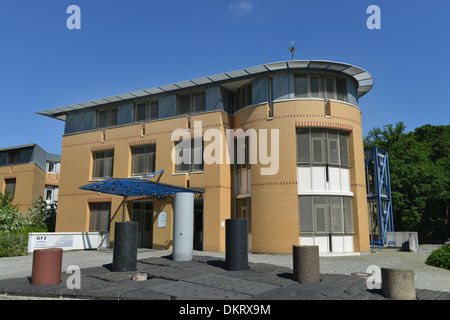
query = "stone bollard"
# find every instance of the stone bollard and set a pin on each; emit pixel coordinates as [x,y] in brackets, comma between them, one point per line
[236,245]
[125,246]
[398,284]
[47,265]
[306,264]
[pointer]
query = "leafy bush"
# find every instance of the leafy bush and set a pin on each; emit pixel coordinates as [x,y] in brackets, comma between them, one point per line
[13,245]
[440,257]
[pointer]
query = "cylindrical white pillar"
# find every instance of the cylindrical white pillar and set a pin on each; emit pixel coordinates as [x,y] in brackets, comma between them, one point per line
[183,226]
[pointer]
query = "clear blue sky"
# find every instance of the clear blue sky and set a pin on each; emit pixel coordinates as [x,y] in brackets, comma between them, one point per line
[126,46]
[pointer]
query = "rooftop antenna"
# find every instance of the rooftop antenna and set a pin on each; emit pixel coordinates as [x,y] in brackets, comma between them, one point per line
[292,49]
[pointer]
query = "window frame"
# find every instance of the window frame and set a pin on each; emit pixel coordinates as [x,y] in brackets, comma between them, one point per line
[111,117]
[340,137]
[340,211]
[102,210]
[192,102]
[150,152]
[6,188]
[149,110]
[191,167]
[323,92]
[106,157]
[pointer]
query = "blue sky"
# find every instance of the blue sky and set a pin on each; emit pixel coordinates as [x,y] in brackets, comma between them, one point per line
[126,46]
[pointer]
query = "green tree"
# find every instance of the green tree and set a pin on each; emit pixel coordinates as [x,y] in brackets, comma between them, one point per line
[419,171]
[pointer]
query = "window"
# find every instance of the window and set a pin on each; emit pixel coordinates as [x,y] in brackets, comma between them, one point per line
[191,102]
[100,216]
[146,110]
[243,96]
[103,164]
[143,159]
[190,158]
[322,147]
[106,117]
[13,157]
[242,153]
[325,214]
[317,86]
[52,167]
[10,186]
[51,194]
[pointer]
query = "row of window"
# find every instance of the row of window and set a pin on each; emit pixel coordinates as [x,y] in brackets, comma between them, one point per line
[322,147]
[319,86]
[314,147]
[325,214]
[149,110]
[50,194]
[143,160]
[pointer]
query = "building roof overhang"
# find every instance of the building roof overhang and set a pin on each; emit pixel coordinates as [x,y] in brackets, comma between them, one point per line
[362,77]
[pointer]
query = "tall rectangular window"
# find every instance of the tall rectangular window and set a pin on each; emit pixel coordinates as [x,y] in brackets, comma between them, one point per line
[143,159]
[301,86]
[103,164]
[192,157]
[341,89]
[10,186]
[100,213]
[244,96]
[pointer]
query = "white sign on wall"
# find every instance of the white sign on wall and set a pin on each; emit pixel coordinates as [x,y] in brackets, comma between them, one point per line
[162,220]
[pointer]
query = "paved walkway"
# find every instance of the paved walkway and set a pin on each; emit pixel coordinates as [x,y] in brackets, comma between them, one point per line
[205,277]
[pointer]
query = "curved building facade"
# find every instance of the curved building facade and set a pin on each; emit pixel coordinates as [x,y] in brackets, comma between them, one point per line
[280,144]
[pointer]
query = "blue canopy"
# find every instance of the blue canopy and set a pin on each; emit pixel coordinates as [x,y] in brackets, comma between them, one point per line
[137,187]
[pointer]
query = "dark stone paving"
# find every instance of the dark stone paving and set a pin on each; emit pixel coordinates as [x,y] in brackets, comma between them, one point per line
[205,278]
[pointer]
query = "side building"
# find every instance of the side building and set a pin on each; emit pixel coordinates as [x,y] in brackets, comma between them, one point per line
[29,172]
[316,195]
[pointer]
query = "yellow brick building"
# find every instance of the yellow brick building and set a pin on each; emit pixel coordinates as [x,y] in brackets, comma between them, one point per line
[308,187]
[29,172]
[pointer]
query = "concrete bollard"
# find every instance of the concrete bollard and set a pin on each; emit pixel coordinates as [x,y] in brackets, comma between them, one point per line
[306,267]
[125,246]
[236,245]
[47,265]
[183,226]
[398,284]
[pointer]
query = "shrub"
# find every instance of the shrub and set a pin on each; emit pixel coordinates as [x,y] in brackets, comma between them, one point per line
[440,257]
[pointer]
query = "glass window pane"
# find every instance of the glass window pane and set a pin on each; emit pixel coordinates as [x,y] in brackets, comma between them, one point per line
[333,153]
[200,102]
[141,110]
[303,146]
[300,86]
[348,214]
[330,92]
[154,110]
[315,89]
[341,88]
[306,214]
[343,149]
[184,105]
[113,117]
[102,118]
[337,220]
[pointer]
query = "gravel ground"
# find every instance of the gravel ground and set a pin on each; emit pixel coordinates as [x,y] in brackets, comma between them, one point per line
[426,277]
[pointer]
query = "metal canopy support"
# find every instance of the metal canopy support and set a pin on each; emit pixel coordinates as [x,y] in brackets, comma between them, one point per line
[378,195]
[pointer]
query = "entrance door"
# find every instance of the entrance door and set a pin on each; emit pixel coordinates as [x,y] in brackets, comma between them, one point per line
[244,211]
[143,215]
[198,224]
